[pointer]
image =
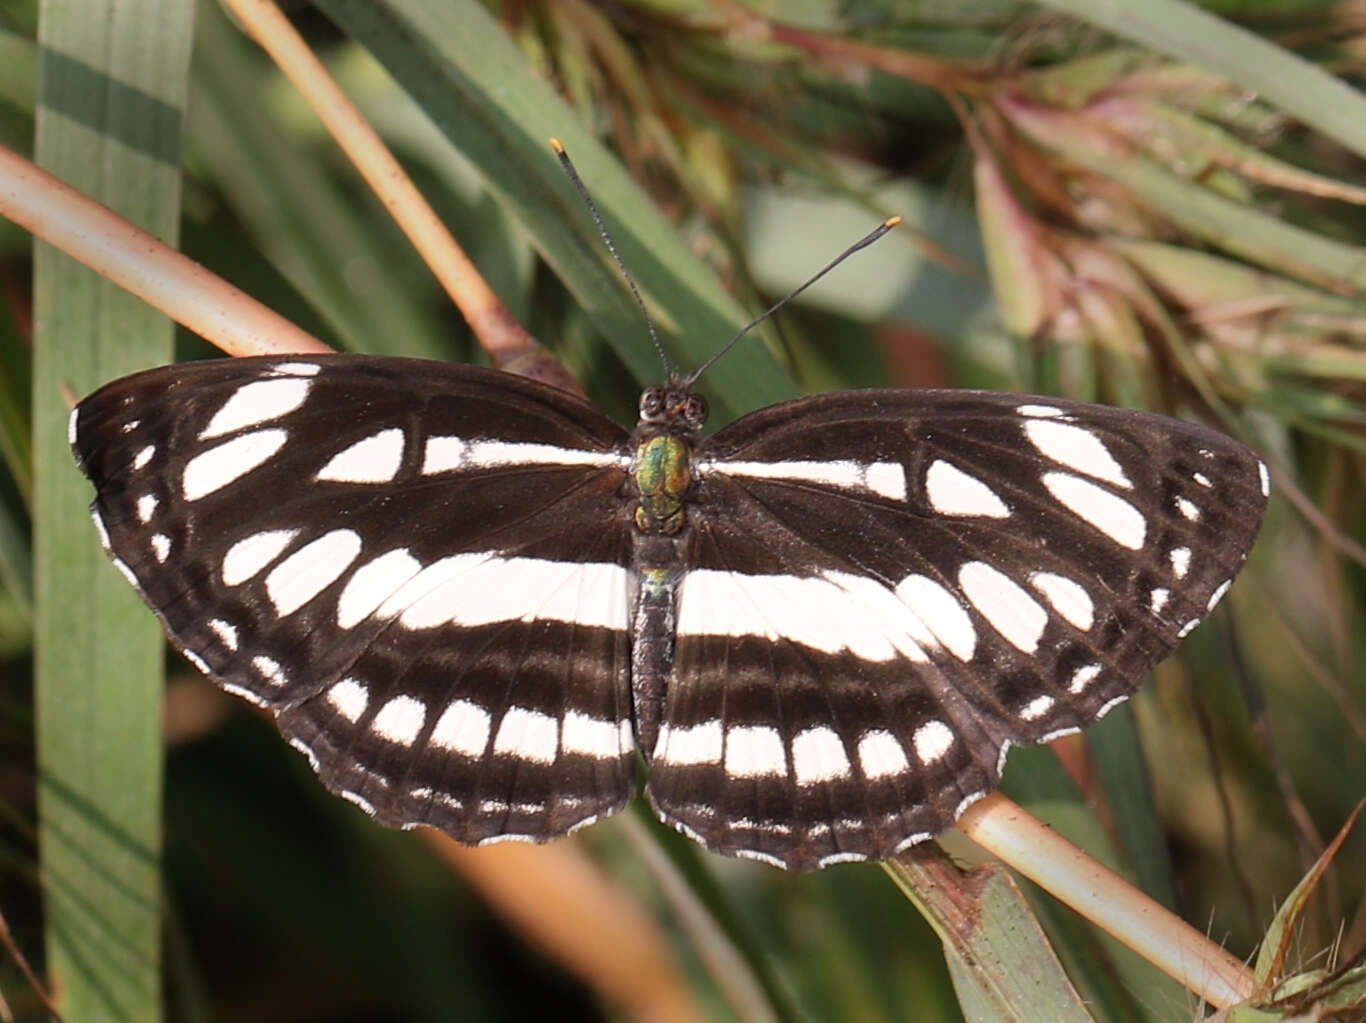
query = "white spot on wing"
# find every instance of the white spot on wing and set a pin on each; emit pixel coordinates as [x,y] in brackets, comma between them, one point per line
[1107,512]
[225,631]
[298,369]
[1180,558]
[1076,448]
[359,800]
[1039,411]
[441,454]
[350,699]
[103,533]
[216,468]
[528,735]
[147,506]
[880,755]
[1186,629]
[311,569]
[296,742]
[1202,479]
[161,547]
[478,589]
[1158,599]
[594,737]
[1004,604]
[840,857]
[760,857]
[949,624]
[400,720]
[269,669]
[247,557]
[755,751]
[373,460]
[144,456]
[255,403]
[1218,594]
[832,612]
[1107,707]
[462,728]
[1083,677]
[885,478]
[127,573]
[71,426]
[932,740]
[202,666]
[910,840]
[968,800]
[1068,597]
[818,755]
[444,454]
[1037,708]
[698,744]
[1188,509]
[1265,479]
[951,491]
[372,584]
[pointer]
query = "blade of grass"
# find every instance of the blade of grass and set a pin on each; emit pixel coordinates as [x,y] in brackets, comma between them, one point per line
[1002,965]
[1118,757]
[111,85]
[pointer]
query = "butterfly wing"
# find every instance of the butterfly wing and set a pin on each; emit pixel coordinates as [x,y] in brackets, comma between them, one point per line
[887,588]
[354,543]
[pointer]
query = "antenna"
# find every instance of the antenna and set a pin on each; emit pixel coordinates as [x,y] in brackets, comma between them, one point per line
[568,166]
[692,378]
[862,243]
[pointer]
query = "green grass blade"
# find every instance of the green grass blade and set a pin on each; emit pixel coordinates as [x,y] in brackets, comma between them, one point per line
[111,88]
[1003,968]
[1123,773]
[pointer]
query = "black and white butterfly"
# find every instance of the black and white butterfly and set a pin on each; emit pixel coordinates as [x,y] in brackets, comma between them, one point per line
[471,600]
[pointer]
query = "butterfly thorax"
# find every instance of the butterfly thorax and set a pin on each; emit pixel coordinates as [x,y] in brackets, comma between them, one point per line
[671,416]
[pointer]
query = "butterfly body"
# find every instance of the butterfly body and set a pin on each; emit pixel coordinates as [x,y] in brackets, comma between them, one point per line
[470,599]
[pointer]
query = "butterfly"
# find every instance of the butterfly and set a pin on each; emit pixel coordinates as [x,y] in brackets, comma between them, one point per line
[474,602]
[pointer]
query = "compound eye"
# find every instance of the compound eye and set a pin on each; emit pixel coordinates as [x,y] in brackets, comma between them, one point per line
[695,410]
[652,403]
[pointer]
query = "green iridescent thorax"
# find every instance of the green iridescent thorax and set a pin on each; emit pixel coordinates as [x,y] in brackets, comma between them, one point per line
[671,417]
[663,474]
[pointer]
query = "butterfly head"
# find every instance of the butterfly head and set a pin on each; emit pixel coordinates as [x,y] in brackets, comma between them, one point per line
[672,408]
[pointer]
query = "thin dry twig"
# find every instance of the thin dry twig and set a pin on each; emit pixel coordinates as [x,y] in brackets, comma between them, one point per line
[1025,844]
[7,940]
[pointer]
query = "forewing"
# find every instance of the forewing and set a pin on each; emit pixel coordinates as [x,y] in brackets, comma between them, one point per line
[422,569]
[889,588]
